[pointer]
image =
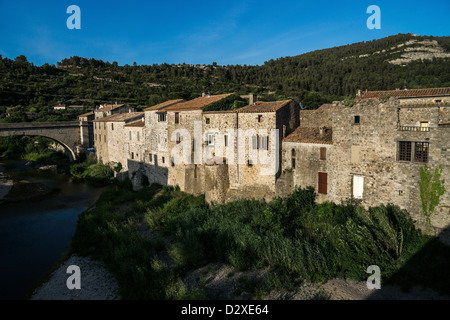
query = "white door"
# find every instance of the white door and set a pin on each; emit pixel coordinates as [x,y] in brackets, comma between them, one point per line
[358,187]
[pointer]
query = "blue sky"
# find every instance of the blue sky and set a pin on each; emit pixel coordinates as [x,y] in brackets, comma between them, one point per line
[200,32]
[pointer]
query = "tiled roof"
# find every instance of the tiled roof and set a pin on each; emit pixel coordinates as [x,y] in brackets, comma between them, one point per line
[90,113]
[137,123]
[196,104]
[310,135]
[164,105]
[326,106]
[410,93]
[263,106]
[107,107]
[121,117]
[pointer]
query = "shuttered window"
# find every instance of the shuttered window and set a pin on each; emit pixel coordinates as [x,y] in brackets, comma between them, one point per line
[323,177]
[323,153]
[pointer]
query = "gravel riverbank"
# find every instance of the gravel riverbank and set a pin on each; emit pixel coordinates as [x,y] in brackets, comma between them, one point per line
[96,282]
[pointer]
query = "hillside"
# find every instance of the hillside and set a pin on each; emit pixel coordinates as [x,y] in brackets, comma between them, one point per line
[312,78]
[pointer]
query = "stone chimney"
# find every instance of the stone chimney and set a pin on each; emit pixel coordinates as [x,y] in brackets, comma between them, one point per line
[252,98]
[203,94]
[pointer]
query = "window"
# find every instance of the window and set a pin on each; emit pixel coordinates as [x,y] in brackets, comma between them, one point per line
[250,163]
[357,120]
[293,153]
[178,140]
[260,118]
[150,157]
[226,140]
[323,153]
[424,126]
[132,155]
[95,125]
[155,157]
[323,177]
[163,160]
[421,151]
[177,117]
[129,134]
[404,151]
[161,116]
[210,139]
[358,187]
[260,142]
[112,126]
[105,137]
[104,125]
[207,120]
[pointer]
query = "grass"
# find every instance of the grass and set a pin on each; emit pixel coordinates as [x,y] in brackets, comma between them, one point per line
[297,239]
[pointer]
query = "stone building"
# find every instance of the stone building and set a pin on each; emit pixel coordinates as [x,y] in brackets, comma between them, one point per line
[105,110]
[115,141]
[373,150]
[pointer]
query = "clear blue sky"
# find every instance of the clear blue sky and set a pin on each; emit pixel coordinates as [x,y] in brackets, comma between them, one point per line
[200,32]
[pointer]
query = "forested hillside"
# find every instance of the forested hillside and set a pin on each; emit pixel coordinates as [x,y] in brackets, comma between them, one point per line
[312,78]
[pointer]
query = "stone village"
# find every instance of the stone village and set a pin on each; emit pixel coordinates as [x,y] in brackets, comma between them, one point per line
[371,149]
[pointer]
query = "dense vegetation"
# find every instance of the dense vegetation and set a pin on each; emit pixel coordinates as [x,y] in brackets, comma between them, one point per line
[312,78]
[37,149]
[295,238]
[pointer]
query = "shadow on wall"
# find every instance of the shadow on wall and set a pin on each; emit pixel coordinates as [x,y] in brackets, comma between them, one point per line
[144,174]
[423,276]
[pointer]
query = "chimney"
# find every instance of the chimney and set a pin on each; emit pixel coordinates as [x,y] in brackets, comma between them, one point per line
[359,93]
[203,94]
[252,98]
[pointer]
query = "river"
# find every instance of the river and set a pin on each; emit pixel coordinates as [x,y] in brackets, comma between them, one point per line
[34,234]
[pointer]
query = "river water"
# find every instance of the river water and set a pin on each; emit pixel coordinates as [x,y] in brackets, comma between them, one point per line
[35,234]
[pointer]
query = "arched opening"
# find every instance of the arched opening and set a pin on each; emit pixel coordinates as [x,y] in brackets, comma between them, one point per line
[68,151]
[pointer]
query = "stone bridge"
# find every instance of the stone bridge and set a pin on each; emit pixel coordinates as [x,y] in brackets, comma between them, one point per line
[74,136]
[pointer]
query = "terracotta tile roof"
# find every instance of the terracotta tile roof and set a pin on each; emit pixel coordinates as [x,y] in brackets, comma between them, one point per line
[410,93]
[326,106]
[310,135]
[107,107]
[263,106]
[121,117]
[137,123]
[164,105]
[196,104]
[86,114]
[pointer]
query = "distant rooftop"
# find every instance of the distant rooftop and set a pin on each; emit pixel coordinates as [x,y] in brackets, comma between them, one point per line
[311,135]
[121,117]
[164,105]
[326,106]
[263,106]
[107,107]
[406,93]
[196,104]
[136,123]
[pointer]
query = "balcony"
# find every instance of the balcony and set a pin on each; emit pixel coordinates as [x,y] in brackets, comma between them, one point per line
[413,128]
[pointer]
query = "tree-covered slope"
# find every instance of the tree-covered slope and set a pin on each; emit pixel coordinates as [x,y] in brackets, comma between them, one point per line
[312,78]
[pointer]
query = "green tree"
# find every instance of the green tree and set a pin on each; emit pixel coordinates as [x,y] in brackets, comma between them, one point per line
[431,190]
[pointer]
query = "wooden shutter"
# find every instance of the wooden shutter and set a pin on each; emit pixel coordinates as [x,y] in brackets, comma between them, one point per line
[323,180]
[323,153]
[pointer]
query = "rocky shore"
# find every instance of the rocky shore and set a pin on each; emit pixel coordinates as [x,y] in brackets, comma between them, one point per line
[96,282]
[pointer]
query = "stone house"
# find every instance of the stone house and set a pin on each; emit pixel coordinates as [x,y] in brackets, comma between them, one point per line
[373,150]
[112,137]
[105,110]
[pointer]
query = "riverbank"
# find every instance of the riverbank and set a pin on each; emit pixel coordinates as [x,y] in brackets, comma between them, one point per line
[160,244]
[96,282]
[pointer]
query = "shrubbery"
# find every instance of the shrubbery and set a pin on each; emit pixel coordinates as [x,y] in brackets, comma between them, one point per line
[294,237]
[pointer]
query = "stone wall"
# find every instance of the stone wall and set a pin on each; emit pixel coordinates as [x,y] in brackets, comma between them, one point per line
[369,148]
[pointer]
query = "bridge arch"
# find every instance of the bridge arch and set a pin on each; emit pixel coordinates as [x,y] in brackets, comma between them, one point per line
[65,133]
